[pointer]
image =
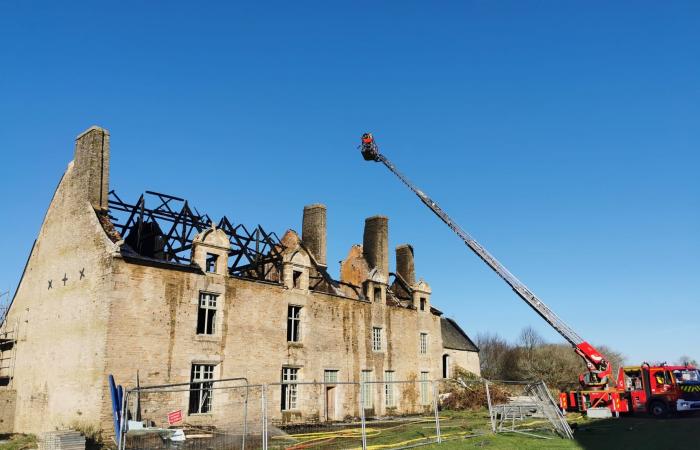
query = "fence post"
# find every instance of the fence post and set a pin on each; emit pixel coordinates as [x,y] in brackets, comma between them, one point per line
[123,426]
[264,416]
[437,414]
[488,400]
[245,418]
[362,416]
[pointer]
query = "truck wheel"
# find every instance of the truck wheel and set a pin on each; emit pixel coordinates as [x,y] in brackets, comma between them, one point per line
[658,409]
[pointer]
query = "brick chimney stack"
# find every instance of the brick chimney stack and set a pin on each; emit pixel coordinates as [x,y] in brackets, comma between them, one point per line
[313,231]
[91,164]
[375,244]
[404,263]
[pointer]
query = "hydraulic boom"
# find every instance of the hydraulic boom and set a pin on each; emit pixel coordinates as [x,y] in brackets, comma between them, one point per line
[598,367]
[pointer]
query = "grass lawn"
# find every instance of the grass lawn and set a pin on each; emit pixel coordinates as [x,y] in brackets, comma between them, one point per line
[674,433]
[17,442]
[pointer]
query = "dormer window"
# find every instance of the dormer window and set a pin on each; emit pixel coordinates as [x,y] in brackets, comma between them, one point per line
[211,262]
[422,303]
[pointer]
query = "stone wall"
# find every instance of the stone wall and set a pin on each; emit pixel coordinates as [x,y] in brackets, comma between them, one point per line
[62,305]
[8,403]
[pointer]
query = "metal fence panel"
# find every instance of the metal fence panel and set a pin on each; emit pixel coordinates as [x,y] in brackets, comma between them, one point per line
[399,413]
[210,415]
[313,415]
[463,408]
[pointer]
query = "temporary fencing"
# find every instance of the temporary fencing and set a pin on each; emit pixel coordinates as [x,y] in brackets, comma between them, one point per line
[294,415]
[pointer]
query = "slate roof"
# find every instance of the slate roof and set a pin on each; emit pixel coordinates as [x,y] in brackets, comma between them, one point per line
[453,337]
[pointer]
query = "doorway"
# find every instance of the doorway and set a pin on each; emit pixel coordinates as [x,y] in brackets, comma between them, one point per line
[330,403]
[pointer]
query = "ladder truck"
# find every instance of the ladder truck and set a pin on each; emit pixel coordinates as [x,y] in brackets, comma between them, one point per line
[630,393]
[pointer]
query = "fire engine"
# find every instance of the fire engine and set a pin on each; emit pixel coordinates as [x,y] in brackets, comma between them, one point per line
[656,389]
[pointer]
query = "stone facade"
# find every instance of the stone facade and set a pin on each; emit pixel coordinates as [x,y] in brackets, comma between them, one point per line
[86,308]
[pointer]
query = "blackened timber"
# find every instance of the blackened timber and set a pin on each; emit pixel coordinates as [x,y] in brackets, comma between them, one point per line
[255,254]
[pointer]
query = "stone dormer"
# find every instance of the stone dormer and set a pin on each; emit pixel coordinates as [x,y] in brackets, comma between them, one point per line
[421,296]
[296,263]
[210,250]
[375,286]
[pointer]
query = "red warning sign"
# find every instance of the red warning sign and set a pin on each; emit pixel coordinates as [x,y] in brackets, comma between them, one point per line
[175,417]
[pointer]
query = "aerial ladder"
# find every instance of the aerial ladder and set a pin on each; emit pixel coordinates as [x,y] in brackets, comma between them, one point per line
[598,368]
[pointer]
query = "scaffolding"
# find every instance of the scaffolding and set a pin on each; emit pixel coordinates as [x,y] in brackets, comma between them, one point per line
[8,342]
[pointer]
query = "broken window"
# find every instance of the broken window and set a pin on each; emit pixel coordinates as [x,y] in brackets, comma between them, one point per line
[293,323]
[211,262]
[201,388]
[423,343]
[424,388]
[289,388]
[206,313]
[296,279]
[366,389]
[376,339]
[422,303]
[377,294]
[389,397]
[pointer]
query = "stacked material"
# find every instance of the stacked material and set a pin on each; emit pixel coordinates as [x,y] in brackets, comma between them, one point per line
[61,440]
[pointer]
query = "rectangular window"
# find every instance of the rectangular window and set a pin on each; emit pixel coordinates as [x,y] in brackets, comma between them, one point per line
[424,388]
[423,343]
[377,294]
[211,262]
[376,339]
[296,279]
[293,323]
[422,303]
[389,397]
[206,314]
[366,389]
[330,376]
[201,388]
[289,388]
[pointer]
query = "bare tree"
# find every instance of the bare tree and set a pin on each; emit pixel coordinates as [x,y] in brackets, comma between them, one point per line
[493,349]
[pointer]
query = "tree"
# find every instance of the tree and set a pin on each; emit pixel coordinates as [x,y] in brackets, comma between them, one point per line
[492,348]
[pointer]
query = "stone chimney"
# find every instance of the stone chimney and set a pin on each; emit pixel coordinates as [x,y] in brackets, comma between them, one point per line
[375,244]
[313,231]
[404,263]
[92,165]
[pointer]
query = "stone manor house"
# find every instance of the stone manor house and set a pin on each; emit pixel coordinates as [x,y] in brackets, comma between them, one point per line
[112,287]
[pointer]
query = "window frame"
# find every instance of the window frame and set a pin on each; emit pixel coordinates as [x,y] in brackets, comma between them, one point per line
[201,385]
[424,388]
[294,323]
[207,306]
[389,389]
[423,343]
[377,339]
[289,389]
[366,394]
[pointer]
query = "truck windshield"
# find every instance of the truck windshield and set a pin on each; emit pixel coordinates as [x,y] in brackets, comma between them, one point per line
[687,375]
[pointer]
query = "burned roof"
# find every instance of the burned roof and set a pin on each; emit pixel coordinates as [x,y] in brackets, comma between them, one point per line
[454,337]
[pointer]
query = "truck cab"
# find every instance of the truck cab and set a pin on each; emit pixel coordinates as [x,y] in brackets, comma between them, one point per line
[688,379]
[650,389]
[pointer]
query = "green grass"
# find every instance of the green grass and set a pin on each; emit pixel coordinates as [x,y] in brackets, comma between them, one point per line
[17,442]
[674,433]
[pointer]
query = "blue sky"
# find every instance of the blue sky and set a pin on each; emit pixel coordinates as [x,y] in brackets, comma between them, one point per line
[562,135]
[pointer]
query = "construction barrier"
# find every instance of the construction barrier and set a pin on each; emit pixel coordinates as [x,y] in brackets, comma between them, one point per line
[332,414]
